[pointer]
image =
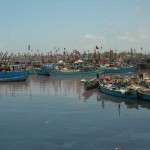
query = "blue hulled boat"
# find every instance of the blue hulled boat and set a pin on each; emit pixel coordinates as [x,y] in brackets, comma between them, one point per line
[43,71]
[119,70]
[13,76]
[127,92]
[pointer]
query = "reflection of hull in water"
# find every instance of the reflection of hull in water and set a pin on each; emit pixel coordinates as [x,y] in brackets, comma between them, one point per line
[88,93]
[10,88]
[144,104]
[105,99]
[100,96]
[111,98]
[128,102]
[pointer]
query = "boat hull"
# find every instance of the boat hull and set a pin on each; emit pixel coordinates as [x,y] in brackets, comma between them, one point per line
[72,73]
[43,71]
[91,85]
[13,76]
[116,93]
[120,70]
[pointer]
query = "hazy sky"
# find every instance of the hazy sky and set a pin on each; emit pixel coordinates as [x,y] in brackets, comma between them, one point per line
[74,24]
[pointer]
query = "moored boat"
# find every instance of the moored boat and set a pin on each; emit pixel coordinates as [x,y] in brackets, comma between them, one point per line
[125,92]
[43,71]
[119,69]
[73,73]
[13,76]
[91,84]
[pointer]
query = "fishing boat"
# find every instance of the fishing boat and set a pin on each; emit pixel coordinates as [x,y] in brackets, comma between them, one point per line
[91,84]
[119,69]
[11,76]
[73,73]
[144,94]
[43,71]
[124,92]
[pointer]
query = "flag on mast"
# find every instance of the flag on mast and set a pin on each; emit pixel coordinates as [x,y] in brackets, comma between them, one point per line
[97,47]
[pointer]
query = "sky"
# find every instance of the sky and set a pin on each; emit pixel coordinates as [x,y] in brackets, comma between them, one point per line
[74,25]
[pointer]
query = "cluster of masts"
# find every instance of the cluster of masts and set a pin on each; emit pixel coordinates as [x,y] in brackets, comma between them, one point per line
[97,55]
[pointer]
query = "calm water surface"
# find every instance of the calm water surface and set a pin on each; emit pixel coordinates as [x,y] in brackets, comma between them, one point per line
[54,113]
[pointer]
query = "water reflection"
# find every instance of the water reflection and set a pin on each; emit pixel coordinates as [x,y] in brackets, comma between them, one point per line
[65,87]
[104,99]
[43,85]
[11,88]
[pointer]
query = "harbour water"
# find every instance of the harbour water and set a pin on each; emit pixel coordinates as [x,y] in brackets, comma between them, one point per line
[54,113]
